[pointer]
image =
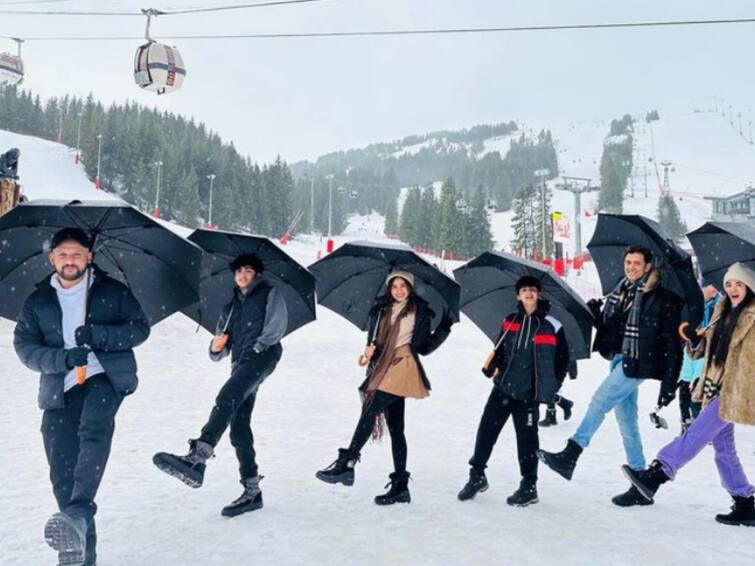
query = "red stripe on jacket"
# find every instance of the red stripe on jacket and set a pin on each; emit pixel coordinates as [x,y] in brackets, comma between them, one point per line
[510,326]
[547,339]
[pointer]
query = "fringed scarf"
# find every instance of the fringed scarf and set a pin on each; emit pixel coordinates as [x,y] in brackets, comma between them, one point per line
[387,336]
[628,296]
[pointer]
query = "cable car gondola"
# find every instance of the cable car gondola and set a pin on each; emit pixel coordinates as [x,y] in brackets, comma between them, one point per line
[12,66]
[158,67]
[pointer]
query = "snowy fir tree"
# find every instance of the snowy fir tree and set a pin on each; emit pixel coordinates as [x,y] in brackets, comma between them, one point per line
[670,218]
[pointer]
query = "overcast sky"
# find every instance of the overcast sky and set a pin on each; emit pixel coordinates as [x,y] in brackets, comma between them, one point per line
[303,97]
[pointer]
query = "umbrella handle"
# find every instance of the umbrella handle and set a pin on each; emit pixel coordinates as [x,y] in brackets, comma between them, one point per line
[362,360]
[81,374]
[488,360]
[681,328]
[219,342]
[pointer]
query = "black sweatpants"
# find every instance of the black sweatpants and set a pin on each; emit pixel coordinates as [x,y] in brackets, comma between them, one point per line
[77,439]
[234,404]
[497,411]
[394,408]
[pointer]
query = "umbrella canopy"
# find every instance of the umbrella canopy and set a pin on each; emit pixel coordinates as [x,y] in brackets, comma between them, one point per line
[352,277]
[720,244]
[293,281]
[488,294]
[614,232]
[160,268]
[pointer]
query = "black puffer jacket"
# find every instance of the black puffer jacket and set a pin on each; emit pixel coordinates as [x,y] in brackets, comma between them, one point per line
[424,340]
[659,344]
[550,351]
[118,326]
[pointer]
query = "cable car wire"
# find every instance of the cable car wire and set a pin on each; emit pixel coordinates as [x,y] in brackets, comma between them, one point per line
[160,12]
[409,32]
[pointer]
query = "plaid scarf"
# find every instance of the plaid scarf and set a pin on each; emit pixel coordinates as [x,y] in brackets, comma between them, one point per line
[628,296]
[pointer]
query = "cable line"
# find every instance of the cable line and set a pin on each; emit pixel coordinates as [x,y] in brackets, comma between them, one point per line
[410,32]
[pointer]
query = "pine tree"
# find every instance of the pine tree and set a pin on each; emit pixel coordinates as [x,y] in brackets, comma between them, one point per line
[411,217]
[479,236]
[391,218]
[670,218]
[523,222]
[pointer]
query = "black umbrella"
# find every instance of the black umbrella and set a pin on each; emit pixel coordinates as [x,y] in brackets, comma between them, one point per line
[293,281]
[488,294]
[160,267]
[351,278]
[614,232]
[720,244]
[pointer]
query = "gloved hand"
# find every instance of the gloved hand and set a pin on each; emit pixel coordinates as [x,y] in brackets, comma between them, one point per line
[667,393]
[76,357]
[595,305]
[258,348]
[489,371]
[83,335]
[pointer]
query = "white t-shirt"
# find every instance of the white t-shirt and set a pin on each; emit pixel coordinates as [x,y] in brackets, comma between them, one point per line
[73,304]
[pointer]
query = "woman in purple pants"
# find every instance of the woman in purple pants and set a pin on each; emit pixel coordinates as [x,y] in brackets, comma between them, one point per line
[727,391]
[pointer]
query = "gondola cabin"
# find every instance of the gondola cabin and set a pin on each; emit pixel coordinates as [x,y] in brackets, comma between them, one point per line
[159,68]
[12,67]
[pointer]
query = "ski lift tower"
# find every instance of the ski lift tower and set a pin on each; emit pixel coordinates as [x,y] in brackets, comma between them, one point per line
[577,186]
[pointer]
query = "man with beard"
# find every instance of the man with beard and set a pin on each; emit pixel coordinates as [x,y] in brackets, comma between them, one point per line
[78,329]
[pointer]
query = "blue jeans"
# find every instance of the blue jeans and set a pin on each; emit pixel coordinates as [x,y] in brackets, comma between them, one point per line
[617,392]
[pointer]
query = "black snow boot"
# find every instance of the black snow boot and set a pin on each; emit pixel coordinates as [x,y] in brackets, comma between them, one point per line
[477,483]
[630,498]
[742,512]
[550,418]
[564,462]
[342,470]
[525,495]
[398,492]
[190,468]
[67,535]
[566,406]
[647,481]
[250,500]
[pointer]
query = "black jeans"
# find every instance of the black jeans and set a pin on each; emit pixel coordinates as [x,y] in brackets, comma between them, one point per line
[394,408]
[497,411]
[234,404]
[77,441]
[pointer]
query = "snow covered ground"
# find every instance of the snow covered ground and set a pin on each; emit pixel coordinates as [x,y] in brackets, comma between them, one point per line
[305,411]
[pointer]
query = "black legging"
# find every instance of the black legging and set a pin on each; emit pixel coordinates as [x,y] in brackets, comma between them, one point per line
[393,406]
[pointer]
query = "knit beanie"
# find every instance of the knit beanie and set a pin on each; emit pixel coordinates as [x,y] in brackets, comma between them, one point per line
[405,275]
[740,272]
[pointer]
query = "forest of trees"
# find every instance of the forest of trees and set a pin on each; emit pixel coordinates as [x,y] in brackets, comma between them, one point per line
[379,167]
[246,196]
[449,223]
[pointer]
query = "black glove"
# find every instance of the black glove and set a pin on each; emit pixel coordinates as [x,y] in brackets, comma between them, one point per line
[83,335]
[595,305]
[76,357]
[667,394]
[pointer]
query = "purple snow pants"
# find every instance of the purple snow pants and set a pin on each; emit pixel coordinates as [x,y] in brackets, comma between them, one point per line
[708,427]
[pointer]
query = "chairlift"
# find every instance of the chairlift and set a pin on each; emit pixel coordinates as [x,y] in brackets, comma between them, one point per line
[461,205]
[492,204]
[158,67]
[12,66]
[341,190]
[353,193]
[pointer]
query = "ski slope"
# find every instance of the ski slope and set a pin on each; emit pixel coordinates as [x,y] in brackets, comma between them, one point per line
[708,156]
[305,411]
